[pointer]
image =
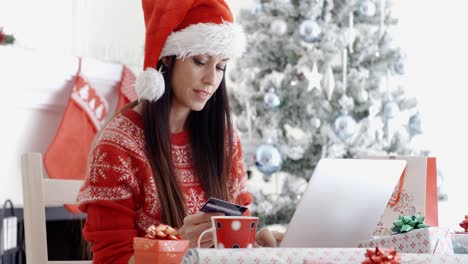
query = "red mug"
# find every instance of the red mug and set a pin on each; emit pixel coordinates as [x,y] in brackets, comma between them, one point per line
[232,231]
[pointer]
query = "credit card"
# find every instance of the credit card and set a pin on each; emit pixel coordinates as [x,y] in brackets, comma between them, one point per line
[214,205]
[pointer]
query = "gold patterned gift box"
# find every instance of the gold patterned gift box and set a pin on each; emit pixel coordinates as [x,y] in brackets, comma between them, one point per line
[155,251]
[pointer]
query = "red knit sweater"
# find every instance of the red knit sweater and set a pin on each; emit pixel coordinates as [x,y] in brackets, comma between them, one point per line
[119,194]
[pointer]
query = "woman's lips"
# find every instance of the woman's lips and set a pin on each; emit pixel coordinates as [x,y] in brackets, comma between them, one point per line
[202,94]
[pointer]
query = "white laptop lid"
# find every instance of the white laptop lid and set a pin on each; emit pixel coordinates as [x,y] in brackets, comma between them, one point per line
[343,202]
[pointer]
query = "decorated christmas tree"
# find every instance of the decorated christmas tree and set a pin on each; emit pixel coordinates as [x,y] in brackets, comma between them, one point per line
[321,78]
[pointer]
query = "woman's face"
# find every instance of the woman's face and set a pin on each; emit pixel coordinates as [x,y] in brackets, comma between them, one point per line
[195,79]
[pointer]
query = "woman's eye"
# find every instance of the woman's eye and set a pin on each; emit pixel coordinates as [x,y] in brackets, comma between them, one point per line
[202,63]
[198,62]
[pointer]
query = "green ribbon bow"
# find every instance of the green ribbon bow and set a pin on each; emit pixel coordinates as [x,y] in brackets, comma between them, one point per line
[407,223]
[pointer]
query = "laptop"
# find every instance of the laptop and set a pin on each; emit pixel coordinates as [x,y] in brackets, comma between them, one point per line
[343,202]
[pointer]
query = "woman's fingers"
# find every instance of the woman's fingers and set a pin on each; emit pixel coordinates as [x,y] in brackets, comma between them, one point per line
[207,239]
[206,244]
[265,238]
[199,218]
[194,225]
[268,238]
[278,236]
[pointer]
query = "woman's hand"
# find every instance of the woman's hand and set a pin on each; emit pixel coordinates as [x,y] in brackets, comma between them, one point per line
[194,225]
[268,238]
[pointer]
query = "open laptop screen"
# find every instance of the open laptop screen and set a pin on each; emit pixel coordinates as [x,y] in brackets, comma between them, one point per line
[343,202]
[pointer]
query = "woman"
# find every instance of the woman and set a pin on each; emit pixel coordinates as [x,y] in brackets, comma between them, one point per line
[161,158]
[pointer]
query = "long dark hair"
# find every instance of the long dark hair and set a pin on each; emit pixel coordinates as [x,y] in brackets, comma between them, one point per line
[210,132]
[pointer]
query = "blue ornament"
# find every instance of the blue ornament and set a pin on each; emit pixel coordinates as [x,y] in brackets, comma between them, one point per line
[345,126]
[271,100]
[268,159]
[414,124]
[367,8]
[390,110]
[256,9]
[399,67]
[310,31]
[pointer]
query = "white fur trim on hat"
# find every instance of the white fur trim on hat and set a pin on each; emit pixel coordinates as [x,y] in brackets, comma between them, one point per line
[150,85]
[226,39]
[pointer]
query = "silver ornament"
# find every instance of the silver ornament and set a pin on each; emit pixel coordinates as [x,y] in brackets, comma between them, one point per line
[390,110]
[414,124]
[345,126]
[268,159]
[362,96]
[310,30]
[367,8]
[271,100]
[329,83]
[242,124]
[315,122]
[278,27]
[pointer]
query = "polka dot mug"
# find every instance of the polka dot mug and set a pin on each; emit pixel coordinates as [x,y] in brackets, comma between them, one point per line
[232,231]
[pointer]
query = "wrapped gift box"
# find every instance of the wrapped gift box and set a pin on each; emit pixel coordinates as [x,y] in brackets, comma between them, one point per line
[429,240]
[305,255]
[156,251]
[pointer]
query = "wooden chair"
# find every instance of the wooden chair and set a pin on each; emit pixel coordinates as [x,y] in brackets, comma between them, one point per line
[39,192]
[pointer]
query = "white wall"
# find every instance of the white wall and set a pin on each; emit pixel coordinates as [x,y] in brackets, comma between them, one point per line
[36,87]
[109,30]
[433,34]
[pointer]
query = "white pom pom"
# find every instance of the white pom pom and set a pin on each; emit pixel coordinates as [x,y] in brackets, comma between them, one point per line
[150,85]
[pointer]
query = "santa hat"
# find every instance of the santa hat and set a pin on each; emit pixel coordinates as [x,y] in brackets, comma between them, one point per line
[185,28]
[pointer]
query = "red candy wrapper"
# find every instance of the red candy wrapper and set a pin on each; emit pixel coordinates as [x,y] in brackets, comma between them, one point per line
[381,256]
[161,244]
[464,223]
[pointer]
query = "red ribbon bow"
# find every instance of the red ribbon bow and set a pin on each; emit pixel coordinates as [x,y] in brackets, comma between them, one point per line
[464,223]
[2,36]
[162,232]
[382,256]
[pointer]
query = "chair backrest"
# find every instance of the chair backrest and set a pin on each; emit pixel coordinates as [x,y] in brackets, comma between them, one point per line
[39,192]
